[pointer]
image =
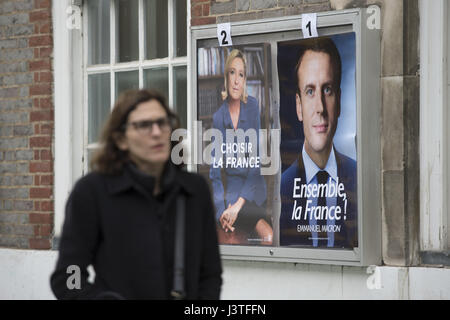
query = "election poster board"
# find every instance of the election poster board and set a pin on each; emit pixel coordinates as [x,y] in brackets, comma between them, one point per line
[317,132]
[294,169]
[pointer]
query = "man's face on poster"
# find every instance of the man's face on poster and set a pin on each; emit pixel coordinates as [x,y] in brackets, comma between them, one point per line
[318,104]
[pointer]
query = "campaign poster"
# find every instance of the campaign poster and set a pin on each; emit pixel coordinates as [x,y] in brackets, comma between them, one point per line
[234,89]
[318,189]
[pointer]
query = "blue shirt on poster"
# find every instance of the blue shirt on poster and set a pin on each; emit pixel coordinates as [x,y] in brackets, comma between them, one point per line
[241,181]
[296,230]
[311,170]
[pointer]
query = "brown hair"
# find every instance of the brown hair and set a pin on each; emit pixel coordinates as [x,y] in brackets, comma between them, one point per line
[325,45]
[235,53]
[109,158]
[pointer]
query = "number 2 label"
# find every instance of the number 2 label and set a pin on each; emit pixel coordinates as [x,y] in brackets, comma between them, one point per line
[309,25]
[224,34]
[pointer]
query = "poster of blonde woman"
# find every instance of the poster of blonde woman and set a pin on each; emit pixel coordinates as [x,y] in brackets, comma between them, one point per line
[234,86]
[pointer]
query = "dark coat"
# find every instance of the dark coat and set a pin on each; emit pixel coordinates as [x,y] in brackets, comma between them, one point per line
[289,235]
[127,234]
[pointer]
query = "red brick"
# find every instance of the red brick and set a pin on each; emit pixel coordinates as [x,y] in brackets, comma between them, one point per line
[45,28]
[37,156]
[45,230]
[45,52]
[37,206]
[43,64]
[45,76]
[46,128]
[197,10]
[36,101]
[40,41]
[206,9]
[40,142]
[46,155]
[40,193]
[36,181]
[42,4]
[41,15]
[45,103]
[43,244]
[41,115]
[46,205]
[203,21]
[47,180]
[40,218]
[44,166]
[41,89]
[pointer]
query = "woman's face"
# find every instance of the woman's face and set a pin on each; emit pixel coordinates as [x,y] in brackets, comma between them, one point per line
[148,143]
[236,79]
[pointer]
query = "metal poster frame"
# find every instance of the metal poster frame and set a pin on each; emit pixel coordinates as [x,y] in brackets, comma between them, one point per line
[368,109]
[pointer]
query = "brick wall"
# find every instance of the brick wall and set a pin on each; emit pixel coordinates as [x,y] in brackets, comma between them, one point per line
[26,124]
[218,11]
[26,113]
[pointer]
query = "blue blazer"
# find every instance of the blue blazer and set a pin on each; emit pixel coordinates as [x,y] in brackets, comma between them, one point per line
[240,182]
[347,237]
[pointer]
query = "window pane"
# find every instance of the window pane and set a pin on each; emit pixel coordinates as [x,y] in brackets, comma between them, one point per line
[180,94]
[180,28]
[128,30]
[157,79]
[99,103]
[98,32]
[156,29]
[126,80]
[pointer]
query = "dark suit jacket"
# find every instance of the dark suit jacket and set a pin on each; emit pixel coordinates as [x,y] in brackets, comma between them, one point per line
[347,237]
[116,224]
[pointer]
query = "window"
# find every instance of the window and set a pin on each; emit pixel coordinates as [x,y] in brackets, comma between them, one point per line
[131,44]
[119,45]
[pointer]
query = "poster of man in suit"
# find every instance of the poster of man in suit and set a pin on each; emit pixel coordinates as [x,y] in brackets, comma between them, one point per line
[318,188]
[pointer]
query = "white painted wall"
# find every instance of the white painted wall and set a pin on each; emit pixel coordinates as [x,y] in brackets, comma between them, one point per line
[429,283]
[25,274]
[306,281]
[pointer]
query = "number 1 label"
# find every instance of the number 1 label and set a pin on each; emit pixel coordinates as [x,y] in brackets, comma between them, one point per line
[309,25]
[224,34]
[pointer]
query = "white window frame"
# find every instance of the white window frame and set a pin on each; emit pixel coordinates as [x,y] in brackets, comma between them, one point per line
[140,65]
[62,104]
[70,88]
[67,66]
[434,119]
[446,37]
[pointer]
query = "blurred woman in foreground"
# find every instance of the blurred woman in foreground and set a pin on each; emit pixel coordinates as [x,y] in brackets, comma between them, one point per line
[121,217]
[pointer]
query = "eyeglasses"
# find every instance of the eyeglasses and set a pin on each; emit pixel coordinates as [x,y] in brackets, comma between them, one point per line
[146,126]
